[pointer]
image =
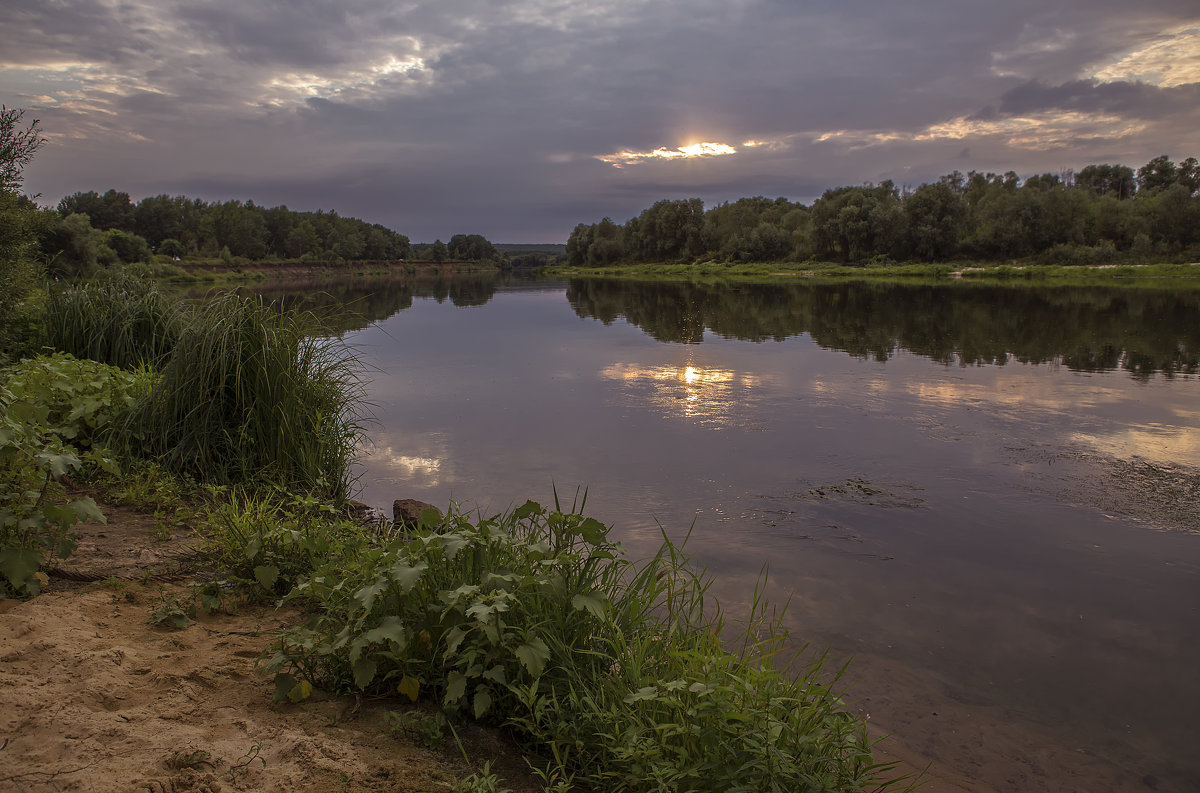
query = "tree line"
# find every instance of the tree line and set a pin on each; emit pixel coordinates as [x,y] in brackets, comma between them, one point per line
[1101,214]
[89,229]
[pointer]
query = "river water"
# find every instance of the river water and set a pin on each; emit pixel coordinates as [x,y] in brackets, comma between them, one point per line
[987,497]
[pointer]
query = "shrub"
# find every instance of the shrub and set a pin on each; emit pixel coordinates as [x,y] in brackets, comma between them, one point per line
[534,620]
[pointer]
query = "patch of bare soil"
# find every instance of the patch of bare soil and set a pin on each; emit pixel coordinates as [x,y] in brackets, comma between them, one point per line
[95,698]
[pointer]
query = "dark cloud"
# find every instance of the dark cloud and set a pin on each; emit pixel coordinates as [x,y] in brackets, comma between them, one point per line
[1132,99]
[438,117]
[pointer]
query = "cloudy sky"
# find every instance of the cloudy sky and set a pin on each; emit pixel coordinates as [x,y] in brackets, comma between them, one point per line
[517,119]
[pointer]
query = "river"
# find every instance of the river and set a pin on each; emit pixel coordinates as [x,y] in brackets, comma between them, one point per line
[987,497]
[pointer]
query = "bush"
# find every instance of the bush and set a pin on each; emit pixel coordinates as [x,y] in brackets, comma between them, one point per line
[534,620]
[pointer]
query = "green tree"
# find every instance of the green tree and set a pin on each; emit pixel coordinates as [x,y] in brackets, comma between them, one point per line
[127,247]
[856,223]
[667,231]
[1158,174]
[113,210]
[20,223]
[1115,180]
[471,247]
[437,251]
[934,215]
[73,248]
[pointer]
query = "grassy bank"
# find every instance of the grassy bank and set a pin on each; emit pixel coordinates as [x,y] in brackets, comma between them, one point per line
[1175,275]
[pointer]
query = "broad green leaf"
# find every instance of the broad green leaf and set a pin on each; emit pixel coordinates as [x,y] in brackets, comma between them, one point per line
[533,654]
[406,575]
[18,564]
[391,629]
[252,547]
[86,509]
[527,509]
[454,638]
[646,692]
[267,575]
[456,687]
[483,701]
[409,687]
[364,672]
[57,464]
[283,684]
[593,531]
[366,596]
[481,612]
[591,601]
[497,674]
[429,518]
[453,543]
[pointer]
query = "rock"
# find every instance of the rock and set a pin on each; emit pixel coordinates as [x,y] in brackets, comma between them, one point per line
[407,511]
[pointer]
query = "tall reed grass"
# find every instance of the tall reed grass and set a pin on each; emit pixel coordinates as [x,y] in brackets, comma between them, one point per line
[117,319]
[251,393]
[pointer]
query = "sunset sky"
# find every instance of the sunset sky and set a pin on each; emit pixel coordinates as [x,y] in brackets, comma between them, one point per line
[518,120]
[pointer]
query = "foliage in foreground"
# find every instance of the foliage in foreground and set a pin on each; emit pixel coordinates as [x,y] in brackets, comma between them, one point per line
[54,412]
[613,672]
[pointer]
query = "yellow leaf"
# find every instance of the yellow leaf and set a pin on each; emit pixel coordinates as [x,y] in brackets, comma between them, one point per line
[409,687]
[300,691]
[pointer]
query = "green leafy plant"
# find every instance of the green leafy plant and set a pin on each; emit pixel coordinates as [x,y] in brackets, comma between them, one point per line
[482,781]
[428,729]
[178,610]
[255,539]
[624,673]
[54,411]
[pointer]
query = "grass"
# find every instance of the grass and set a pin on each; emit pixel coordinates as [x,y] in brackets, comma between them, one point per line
[120,320]
[250,394]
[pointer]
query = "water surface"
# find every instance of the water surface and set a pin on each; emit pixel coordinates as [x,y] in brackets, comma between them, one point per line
[987,496]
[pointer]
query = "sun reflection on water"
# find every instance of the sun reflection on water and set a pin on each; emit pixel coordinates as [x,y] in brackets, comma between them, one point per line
[705,394]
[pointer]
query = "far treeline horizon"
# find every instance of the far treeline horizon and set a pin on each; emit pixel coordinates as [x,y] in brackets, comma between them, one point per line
[1102,214]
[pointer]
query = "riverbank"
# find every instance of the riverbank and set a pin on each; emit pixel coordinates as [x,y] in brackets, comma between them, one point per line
[1129,275]
[101,690]
[213,269]
[94,695]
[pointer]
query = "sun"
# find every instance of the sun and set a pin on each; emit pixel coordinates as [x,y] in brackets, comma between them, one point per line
[692,150]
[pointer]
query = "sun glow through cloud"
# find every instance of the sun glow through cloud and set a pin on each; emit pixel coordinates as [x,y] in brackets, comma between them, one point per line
[702,149]
[1172,60]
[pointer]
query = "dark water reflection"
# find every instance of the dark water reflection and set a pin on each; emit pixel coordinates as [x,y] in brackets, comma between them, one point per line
[1009,550]
[1086,329]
